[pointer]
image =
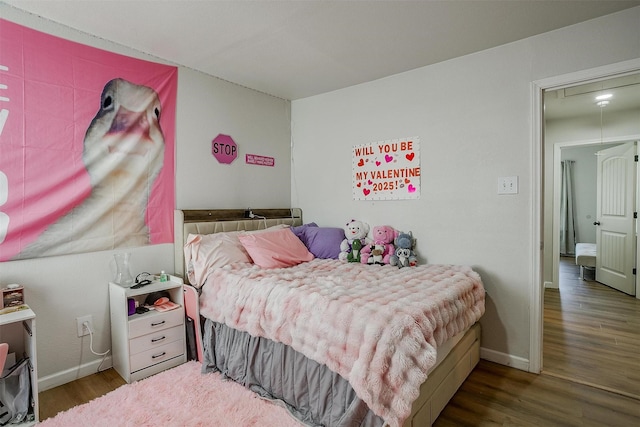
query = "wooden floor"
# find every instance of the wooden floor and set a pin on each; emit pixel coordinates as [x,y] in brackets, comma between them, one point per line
[496,395]
[591,333]
[80,391]
[593,339]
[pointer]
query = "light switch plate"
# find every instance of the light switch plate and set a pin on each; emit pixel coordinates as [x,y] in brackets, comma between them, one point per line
[508,185]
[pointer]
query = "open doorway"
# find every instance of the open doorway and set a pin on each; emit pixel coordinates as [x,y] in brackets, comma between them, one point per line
[597,114]
[579,317]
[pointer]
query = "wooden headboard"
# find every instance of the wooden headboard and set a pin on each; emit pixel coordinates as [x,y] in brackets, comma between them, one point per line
[209,221]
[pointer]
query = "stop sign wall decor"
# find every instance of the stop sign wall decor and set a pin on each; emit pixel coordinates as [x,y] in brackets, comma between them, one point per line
[224,148]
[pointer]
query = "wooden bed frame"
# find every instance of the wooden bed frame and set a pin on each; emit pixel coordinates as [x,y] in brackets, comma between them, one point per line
[443,381]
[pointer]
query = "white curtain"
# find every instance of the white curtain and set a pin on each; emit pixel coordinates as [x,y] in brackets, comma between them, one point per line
[568,232]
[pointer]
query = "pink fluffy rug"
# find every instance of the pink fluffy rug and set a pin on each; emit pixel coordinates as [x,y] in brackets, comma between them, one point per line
[178,397]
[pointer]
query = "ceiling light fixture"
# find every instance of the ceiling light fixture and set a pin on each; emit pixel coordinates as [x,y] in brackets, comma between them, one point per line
[604,96]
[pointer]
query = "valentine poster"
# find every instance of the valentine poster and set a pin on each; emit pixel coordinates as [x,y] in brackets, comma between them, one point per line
[86,147]
[387,170]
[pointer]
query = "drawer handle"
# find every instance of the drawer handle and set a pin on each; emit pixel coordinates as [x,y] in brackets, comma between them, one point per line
[159,323]
[154,340]
[155,356]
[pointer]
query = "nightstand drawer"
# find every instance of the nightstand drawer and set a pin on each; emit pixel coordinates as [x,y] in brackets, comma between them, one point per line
[152,322]
[155,340]
[157,355]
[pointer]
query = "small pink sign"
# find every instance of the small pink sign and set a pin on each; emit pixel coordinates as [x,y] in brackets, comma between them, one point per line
[254,159]
[224,148]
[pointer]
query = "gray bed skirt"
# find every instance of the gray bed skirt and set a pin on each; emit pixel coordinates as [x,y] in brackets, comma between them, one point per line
[310,391]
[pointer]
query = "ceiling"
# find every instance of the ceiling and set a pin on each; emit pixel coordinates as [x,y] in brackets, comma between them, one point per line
[296,49]
[580,100]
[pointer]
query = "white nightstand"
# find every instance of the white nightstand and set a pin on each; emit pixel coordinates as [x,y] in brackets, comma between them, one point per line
[148,343]
[18,328]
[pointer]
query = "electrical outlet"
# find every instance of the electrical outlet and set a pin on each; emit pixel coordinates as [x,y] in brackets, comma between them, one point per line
[82,330]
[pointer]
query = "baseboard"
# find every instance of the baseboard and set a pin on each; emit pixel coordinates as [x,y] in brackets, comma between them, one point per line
[63,377]
[504,359]
[550,285]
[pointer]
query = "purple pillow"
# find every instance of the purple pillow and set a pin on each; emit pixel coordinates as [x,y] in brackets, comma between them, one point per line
[323,242]
[299,230]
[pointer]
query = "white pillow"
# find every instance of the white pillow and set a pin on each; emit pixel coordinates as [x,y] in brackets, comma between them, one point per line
[205,252]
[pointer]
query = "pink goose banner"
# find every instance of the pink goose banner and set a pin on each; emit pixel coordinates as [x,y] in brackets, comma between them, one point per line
[86,147]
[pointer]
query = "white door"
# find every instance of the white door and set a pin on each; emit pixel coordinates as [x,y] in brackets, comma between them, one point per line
[615,233]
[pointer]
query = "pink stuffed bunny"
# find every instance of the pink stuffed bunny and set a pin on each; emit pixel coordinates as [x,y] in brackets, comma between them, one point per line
[382,247]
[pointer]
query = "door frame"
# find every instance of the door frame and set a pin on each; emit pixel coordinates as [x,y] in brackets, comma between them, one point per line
[536,293]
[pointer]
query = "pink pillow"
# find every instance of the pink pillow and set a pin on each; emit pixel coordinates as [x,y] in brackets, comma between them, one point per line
[275,249]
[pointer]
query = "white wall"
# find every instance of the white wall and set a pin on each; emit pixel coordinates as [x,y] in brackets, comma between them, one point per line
[591,129]
[59,289]
[473,116]
[584,174]
[258,123]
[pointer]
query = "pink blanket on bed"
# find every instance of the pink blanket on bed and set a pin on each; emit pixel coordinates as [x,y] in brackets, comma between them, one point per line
[377,326]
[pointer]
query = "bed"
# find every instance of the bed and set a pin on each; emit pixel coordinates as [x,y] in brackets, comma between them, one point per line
[586,258]
[283,348]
